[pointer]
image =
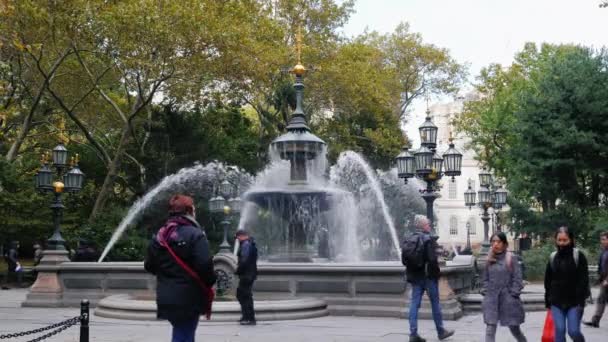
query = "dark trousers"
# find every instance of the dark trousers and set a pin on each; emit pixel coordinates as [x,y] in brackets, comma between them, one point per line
[184,330]
[245,297]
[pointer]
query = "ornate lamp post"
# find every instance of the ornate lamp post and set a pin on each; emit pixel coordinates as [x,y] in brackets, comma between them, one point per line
[491,195]
[468,247]
[47,289]
[224,204]
[427,165]
[70,181]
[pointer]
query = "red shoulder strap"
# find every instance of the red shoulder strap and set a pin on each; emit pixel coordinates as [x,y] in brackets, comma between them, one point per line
[207,290]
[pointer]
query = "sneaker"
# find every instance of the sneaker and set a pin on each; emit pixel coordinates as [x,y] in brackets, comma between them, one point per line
[445,334]
[248,322]
[416,338]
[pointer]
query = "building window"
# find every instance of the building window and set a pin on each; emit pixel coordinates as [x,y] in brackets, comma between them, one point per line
[454,225]
[472,225]
[452,189]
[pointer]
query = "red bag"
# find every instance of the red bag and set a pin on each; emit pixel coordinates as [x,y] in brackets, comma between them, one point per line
[549,329]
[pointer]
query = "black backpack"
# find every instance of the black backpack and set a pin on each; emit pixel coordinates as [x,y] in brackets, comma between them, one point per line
[412,252]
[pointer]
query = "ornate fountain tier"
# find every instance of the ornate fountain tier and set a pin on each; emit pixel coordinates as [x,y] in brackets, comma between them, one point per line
[299,210]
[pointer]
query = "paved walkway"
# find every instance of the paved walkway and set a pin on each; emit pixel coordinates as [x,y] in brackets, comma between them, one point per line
[326,329]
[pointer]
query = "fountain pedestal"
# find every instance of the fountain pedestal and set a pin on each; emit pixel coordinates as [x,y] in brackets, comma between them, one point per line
[47,290]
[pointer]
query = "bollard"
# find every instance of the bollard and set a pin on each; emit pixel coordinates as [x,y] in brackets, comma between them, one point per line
[84,320]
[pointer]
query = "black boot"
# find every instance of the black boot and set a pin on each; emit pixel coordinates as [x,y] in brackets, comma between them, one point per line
[594,323]
[416,338]
[445,334]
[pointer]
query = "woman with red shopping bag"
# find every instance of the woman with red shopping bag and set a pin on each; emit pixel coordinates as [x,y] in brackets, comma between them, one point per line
[566,287]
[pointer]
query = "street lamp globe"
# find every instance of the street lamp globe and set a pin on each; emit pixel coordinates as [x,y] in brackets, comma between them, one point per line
[44,178]
[73,179]
[235,205]
[485,178]
[405,164]
[469,197]
[60,156]
[452,161]
[216,204]
[500,197]
[428,132]
[485,196]
[437,163]
[226,189]
[424,161]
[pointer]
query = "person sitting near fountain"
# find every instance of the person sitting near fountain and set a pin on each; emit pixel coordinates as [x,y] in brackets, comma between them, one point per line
[502,285]
[424,277]
[179,256]
[247,270]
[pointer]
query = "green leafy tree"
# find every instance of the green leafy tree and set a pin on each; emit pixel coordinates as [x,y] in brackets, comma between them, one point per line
[540,124]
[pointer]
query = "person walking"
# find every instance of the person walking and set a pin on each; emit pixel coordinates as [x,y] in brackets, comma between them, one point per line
[14,269]
[602,270]
[501,288]
[179,257]
[567,286]
[247,270]
[423,277]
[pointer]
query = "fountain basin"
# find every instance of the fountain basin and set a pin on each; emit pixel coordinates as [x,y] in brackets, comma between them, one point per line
[375,289]
[126,306]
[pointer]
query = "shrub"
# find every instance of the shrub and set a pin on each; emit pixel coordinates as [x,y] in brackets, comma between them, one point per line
[535,260]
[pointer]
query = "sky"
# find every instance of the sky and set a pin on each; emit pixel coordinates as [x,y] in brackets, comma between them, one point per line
[480,32]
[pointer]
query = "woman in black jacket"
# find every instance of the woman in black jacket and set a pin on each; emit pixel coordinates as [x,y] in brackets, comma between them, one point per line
[567,286]
[180,299]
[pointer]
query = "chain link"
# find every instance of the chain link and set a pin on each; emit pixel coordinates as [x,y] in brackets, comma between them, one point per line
[61,325]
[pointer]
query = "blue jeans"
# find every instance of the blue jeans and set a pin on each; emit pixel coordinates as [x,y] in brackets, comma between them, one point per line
[570,318]
[183,331]
[432,289]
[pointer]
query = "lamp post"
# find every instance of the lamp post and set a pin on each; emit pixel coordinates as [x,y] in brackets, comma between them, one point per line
[468,247]
[491,195]
[224,204]
[70,181]
[427,165]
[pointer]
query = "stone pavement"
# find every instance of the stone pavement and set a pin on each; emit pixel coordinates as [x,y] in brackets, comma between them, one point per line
[470,328]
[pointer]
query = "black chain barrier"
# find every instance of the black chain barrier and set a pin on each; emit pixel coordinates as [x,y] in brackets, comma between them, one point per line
[83,319]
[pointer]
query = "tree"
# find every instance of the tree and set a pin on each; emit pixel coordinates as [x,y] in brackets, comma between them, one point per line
[540,125]
[421,67]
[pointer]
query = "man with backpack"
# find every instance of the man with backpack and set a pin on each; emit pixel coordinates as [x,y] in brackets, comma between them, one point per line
[422,271]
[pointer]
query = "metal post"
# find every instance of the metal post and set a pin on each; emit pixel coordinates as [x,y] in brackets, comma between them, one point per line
[225,245]
[429,197]
[485,246]
[84,321]
[468,236]
[56,241]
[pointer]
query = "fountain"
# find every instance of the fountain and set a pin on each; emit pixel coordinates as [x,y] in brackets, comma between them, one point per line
[328,245]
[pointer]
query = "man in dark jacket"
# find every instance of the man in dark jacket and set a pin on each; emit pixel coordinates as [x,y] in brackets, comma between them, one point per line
[602,270]
[14,270]
[425,279]
[247,270]
[180,298]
